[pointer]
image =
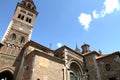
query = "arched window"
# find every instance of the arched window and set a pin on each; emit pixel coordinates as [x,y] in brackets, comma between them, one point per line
[108,67]
[72,76]
[21,17]
[22,39]
[13,36]
[28,20]
[75,72]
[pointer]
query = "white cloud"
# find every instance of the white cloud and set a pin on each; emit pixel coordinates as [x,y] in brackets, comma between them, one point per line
[109,7]
[85,19]
[59,45]
[95,15]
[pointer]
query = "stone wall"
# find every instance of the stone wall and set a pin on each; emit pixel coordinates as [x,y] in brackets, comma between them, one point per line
[92,66]
[109,66]
[6,61]
[47,68]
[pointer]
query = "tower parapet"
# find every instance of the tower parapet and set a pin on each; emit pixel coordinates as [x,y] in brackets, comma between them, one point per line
[85,48]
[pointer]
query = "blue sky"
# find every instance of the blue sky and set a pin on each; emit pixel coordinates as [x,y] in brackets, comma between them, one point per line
[67,22]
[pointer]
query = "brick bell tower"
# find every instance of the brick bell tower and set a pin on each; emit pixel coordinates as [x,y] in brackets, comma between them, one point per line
[17,35]
[20,28]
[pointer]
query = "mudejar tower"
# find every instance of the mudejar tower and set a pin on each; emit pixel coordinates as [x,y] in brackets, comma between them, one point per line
[16,36]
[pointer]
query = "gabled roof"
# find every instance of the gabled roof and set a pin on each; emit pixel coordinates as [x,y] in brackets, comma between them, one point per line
[108,55]
[38,46]
[61,49]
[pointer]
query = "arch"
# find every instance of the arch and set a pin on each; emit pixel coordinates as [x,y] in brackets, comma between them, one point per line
[13,36]
[7,68]
[76,71]
[6,75]
[78,63]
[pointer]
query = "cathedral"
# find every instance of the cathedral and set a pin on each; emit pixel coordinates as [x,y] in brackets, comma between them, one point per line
[24,59]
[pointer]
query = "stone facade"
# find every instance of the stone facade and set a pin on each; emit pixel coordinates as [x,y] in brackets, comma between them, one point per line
[24,59]
[45,67]
[109,66]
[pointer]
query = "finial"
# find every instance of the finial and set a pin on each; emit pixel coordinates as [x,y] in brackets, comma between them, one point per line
[77,49]
[100,52]
[76,46]
[50,45]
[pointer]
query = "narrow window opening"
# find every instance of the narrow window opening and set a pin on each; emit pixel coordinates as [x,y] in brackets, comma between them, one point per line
[19,16]
[108,67]
[29,20]
[22,39]
[22,17]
